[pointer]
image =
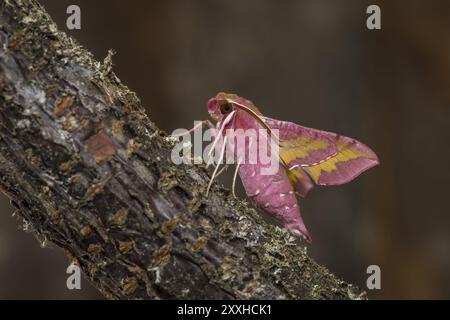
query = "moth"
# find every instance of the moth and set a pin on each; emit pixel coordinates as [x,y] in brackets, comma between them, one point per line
[306,156]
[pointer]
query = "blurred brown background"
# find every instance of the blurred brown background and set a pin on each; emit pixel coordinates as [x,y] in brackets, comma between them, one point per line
[312,62]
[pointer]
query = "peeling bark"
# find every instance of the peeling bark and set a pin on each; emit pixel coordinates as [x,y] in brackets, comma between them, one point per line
[90,173]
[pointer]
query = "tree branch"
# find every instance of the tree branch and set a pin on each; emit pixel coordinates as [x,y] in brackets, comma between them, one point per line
[90,173]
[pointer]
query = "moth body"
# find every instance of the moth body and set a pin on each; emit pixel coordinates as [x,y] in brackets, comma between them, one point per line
[275,195]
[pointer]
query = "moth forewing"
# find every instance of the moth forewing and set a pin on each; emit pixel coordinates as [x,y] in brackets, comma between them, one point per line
[261,120]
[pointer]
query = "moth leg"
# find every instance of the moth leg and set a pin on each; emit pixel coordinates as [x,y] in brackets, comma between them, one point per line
[219,134]
[234,178]
[209,124]
[200,124]
[217,166]
[222,170]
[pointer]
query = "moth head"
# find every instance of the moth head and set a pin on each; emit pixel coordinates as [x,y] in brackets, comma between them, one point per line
[229,105]
[219,108]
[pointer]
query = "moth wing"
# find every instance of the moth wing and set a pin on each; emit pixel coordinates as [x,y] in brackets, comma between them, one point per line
[299,147]
[327,158]
[302,146]
[352,159]
[300,181]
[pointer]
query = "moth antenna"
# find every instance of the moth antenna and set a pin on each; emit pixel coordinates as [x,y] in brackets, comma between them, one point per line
[200,124]
[217,166]
[234,177]
[258,117]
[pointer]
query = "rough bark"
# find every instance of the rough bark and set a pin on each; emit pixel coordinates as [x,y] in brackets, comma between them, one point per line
[91,174]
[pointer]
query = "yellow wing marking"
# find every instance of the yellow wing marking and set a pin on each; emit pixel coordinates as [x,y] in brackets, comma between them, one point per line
[296,175]
[345,153]
[300,148]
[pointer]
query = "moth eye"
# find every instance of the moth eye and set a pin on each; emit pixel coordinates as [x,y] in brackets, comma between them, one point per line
[225,107]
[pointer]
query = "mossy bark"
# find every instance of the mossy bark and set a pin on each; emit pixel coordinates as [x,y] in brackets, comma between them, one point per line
[90,173]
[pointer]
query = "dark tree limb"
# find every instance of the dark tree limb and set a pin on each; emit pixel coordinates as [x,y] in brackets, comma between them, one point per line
[91,174]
